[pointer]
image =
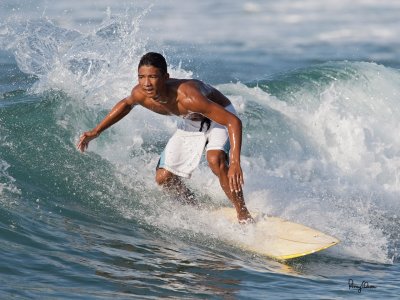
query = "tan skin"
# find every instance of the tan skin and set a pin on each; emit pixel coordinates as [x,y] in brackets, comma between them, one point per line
[168,96]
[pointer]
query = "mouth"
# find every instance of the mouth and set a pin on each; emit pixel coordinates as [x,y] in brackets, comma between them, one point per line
[149,90]
[151,93]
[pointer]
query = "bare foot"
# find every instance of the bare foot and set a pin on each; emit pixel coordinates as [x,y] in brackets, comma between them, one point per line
[244,217]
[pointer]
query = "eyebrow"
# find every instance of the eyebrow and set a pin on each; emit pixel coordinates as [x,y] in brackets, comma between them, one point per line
[141,75]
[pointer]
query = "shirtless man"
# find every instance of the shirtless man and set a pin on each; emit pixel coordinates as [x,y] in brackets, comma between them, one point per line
[209,121]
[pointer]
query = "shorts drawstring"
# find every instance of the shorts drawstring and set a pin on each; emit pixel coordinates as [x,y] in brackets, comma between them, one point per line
[207,121]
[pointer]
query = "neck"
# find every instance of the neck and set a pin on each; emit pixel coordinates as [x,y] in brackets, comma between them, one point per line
[162,97]
[162,100]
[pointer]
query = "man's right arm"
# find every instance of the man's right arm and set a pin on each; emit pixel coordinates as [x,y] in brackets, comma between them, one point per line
[120,110]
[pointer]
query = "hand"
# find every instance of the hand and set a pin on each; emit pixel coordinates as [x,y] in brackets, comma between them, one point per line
[86,137]
[235,177]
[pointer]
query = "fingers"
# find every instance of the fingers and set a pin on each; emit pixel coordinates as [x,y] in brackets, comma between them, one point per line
[235,183]
[81,146]
[231,184]
[235,177]
[83,143]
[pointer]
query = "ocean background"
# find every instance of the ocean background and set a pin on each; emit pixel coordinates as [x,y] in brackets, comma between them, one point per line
[317,85]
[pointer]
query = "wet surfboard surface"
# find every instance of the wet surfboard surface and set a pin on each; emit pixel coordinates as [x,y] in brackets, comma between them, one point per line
[278,238]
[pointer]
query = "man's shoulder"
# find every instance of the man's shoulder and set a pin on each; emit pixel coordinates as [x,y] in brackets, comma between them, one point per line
[190,82]
[136,95]
[189,85]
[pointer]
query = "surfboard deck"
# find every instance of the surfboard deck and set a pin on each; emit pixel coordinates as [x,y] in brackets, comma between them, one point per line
[278,238]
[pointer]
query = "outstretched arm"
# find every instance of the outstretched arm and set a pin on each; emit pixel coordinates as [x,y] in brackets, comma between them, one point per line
[120,110]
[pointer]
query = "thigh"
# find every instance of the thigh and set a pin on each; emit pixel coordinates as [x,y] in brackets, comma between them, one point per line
[218,139]
[182,153]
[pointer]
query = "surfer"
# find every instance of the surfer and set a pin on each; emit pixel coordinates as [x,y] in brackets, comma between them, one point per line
[208,121]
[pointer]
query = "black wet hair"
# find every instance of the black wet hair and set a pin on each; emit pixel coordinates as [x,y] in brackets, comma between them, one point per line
[154,59]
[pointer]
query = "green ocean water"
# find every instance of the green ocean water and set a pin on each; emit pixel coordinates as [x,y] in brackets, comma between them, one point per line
[320,148]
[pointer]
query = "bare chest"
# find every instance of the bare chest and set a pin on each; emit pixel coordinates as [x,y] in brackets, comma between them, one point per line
[165,108]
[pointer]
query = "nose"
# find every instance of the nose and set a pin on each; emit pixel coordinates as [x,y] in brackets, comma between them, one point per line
[147,82]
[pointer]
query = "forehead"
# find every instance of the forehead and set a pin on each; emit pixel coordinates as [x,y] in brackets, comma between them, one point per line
[149,70]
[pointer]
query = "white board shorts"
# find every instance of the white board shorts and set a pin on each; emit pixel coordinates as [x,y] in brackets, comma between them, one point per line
[183,151]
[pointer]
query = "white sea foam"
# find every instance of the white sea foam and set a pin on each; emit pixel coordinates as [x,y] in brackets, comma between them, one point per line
[7,182]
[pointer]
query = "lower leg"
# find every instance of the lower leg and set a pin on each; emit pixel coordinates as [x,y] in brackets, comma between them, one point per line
[217,162]
[174,185]
[236,198]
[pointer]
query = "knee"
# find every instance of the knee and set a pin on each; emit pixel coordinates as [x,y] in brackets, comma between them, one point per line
[217,162]
[163,176]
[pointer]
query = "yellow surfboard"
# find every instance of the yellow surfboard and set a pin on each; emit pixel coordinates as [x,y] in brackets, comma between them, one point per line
[277,238]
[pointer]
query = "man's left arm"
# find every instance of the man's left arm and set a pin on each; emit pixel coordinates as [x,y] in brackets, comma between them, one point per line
[196,102]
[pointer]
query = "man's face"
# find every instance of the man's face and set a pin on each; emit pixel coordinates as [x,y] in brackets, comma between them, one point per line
[151,80]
